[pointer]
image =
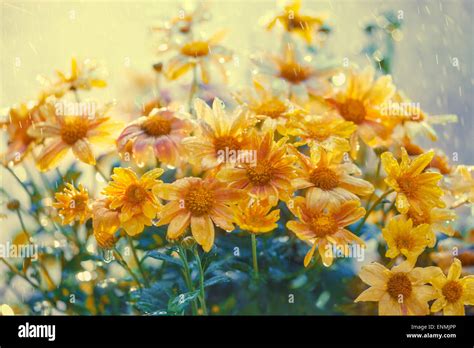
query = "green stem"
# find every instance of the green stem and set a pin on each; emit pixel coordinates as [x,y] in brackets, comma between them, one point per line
[187,275]
[377,173]
[376,203]
[137,261]
[254,255]
[201,282]
[19,181]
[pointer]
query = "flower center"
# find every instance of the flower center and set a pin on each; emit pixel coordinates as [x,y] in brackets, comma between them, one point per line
[199,201]
[323,225]
[260,174]
[324,178]
[353,110]
[226,142]
[452,290]
[272,108]
[399,285]
[135,194]
[74,129]
[408,185]
[196,49]
[294,73]
[404,241]
[156,126]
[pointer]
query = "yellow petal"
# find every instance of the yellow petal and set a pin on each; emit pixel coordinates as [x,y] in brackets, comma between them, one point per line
[178,225]
[309,255]
[455,270]
[82,150]
[374,275]
[51,155]
[371,294]
[202,229]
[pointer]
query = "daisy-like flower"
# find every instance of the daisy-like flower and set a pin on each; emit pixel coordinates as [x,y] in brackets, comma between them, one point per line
[460,184]
[20,118]
[159,134]
[105,222]
[84,76]
[453,292]
[362,102]
[268,105]
[187,19]
[256,216]
[327,179]
[199,53]
[438,220]
[73,204]
[134,198]
[399,291]
[218,134]
[199,203]
[415,189]
[269,176]
[300,24]
[330,133]
[302,78]
[77,133]
[404,239]
[322,226]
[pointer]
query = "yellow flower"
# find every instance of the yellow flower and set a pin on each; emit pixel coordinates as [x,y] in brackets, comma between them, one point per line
[199,203]
[268,105]
[186,20]
[82,76]
[73,204]
[453,292]
[199,53]
[295,22]
[329,180]
[328,132]
[219,133]
[302,78]
[438,220]
[399,291]
[404,239]
[323,225]
[62,133]
[134,198]
[415,189]
[159,134]
[255,216]
[105,222]
[362,102]
[269,176]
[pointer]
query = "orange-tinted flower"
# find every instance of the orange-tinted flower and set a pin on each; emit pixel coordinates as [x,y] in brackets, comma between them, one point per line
[415,189]
[219,133]
[399,291]
[73,204]
[199,203]
[322,226]
[329,180]
[438,220]
[77,133]
[256,216]
[453,292]
[330,133]
[269,176]
[268,106]
[159,134]
[134,198]
[105,222]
